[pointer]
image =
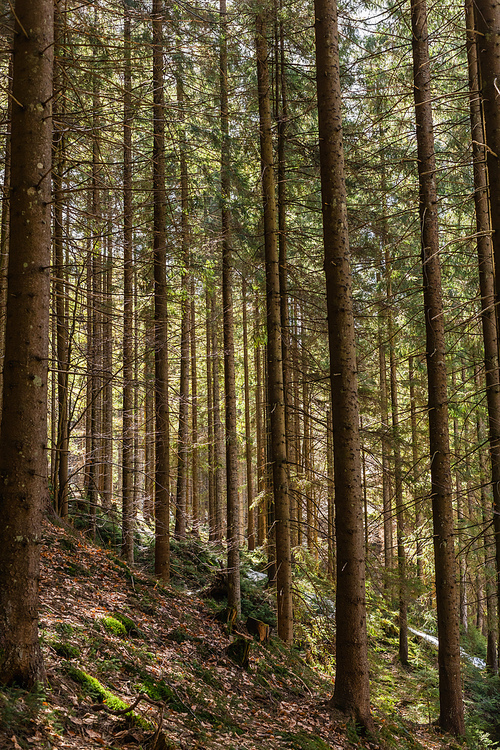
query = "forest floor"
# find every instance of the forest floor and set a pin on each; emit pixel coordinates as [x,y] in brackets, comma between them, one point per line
[111,634]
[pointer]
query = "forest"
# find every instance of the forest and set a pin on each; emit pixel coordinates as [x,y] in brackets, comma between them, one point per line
[251,369]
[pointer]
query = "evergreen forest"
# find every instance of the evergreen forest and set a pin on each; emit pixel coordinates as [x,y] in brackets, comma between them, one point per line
[250,382]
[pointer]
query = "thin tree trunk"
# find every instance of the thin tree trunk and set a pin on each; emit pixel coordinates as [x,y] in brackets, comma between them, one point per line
[232,497]
[248,426]
[107,367]
[450,687]
[194,416]
[212,519]
[62,441]
[331,495]
[259,430]
[128,303]
[218,432]
[183,433]
[352,690]
[274,351]
[162,442]
[414,473]
[23,435]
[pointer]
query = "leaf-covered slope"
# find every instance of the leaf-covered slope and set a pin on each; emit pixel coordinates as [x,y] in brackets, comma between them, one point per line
[111,635]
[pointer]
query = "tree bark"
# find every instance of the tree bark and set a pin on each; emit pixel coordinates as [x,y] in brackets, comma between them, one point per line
[450,688]
[274,350]
[162,427]
[128,303]
[23,435]
[487,243]
[195,515]
[183,432]
[248,426]
[232,496]
[352,690]
[60,479]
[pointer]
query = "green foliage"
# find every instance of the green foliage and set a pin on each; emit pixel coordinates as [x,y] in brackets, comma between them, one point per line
[304,741]
[483,709]
[208,676]
[114,626]
[17,706]
[64,628]
[66,650]
[158,690]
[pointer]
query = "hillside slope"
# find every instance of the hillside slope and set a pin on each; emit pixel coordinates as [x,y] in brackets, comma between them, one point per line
[112,635]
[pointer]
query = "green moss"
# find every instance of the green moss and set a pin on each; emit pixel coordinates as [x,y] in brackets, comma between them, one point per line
[129,625]
[66,650]
[114,626]
[99,693]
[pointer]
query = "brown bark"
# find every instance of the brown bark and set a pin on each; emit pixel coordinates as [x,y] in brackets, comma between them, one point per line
[60,479]
[232,496]
[217,425]
[450,688]
[414,446]
[352,691]
[331,494]
[195,515]
[183,431]
[212,529]
[259,430]
[248,426]
[162,442]
[276,396]
[23,435]
[4,229]
[128,305]
[487,243]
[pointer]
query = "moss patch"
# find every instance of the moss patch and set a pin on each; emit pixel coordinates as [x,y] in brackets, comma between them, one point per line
[98,692]
[114,626]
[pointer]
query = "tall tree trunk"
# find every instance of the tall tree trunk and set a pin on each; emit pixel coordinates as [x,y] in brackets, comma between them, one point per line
[107,369]
[331,494]
[5,221]
[212,520]
[414,473]
[248,426]
[162,442]
[259,429]
[488,545]
[183,433]
[218,431]
[352,690]
[23,435]
[274,350]
[194,415]
[385,442]
[232,497]
[450,688]
[128,305]
[60,481]
[484,163]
